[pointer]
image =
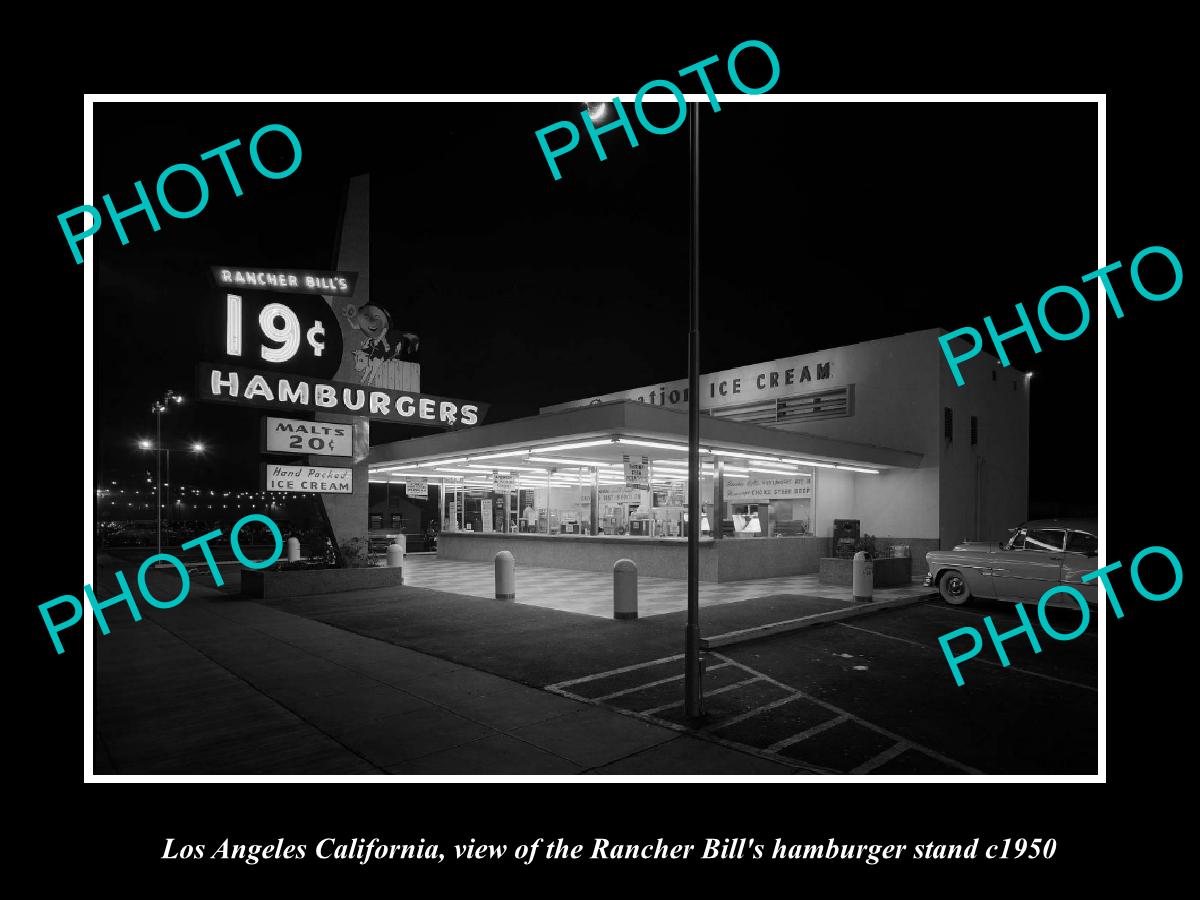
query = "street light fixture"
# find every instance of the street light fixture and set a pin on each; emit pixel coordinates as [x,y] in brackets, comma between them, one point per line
[160,407]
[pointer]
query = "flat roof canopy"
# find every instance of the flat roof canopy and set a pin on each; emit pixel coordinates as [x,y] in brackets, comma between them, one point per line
[569,442]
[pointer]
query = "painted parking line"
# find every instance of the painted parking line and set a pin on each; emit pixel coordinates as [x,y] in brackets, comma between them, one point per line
[561,685]
[931,649]
[945,760]
[712,693]
[807,733]
[651,684]
[738,719]
[897,744]
[881,758]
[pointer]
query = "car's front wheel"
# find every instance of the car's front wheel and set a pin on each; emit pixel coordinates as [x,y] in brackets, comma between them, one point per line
[953,587]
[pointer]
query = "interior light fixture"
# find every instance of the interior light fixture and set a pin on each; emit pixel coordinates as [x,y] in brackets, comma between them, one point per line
[578,446]
[750,456]
[574,462]
[682,448]
[506,468]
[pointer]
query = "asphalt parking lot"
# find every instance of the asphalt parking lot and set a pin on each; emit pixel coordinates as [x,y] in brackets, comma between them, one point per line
[868,695]
[875,695]
[871,694]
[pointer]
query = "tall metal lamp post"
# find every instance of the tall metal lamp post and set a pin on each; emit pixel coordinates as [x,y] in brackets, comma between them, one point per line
[160,407]
[693,663]
[693,674]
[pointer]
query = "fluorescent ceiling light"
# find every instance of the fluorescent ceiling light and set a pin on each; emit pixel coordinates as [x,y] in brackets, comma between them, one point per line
[579,446]
[573,462]
[505,468]
[658,444]
[766,459]
[442,462]
[473,457]
[859,469]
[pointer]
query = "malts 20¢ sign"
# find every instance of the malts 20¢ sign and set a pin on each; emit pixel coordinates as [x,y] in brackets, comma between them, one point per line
[316,438]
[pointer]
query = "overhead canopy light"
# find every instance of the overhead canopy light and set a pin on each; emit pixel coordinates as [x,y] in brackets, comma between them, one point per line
[682,448]
[574,462]
[578,446]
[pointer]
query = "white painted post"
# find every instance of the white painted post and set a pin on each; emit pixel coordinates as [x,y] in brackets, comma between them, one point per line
[506,576]
[625,602]
[293,549]
[864,576]
[395,556]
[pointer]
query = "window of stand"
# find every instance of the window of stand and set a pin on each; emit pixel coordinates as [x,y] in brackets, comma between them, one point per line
[564,506]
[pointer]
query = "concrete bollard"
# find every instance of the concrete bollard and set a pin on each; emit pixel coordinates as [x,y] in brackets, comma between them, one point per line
[293,549]
[625,604]
[506,576]
[864,576]
[395,556]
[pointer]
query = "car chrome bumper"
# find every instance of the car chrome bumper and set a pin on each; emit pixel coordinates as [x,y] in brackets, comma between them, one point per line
[928,579]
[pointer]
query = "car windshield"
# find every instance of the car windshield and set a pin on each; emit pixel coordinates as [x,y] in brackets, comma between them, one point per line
[1037,539]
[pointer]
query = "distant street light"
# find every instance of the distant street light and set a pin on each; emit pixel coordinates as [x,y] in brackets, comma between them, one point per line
[160,407]
[597,111]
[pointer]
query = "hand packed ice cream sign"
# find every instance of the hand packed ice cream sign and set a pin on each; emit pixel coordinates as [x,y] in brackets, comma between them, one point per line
[308,479]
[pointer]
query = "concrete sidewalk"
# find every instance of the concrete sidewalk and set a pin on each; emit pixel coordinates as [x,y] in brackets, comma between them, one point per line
[223,686]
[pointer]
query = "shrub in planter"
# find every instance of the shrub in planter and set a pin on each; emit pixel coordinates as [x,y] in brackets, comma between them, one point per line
[866,543]
[356,554]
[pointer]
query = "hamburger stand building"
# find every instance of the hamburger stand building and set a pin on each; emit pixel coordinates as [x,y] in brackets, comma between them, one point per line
[875,433]
[796,452]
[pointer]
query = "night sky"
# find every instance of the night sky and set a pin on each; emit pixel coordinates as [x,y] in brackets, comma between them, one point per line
[822,225]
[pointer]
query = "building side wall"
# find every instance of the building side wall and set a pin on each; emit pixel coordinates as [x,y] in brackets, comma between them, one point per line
[985,486]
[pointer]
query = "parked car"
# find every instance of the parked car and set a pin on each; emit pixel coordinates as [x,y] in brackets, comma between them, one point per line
[1039,555]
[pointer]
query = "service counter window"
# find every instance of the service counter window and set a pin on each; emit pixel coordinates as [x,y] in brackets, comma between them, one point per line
[791,517]
[746,520]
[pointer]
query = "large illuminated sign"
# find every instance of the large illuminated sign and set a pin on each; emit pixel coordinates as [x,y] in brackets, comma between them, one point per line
[275,390]
[289,281]
[324,334]
[316,438]
[298,334]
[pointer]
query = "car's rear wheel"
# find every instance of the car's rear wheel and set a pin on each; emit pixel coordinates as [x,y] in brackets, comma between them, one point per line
[953,587]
